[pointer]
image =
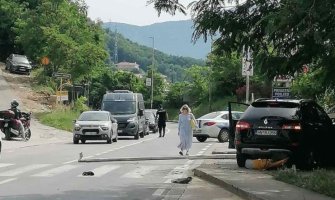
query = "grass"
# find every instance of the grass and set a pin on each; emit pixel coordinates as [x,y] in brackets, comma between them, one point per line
[59,118]
[321,180]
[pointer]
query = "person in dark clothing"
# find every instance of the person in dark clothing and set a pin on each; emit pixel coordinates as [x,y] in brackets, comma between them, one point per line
[162,117]
[18,115]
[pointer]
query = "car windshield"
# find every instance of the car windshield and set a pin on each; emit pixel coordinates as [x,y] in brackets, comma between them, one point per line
[287,110]
[93,116]
[119,107]
[210,115]
[20,59]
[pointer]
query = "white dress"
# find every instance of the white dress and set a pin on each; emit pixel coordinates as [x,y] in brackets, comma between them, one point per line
[185,131]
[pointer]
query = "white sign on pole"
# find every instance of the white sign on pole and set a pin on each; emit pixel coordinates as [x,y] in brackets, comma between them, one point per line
[247,62]
[148,81]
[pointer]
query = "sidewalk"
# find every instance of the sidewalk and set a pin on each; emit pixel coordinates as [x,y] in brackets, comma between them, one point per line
[250,184]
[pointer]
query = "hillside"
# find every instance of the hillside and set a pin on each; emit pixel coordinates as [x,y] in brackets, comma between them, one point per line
[129,51]
[170,37]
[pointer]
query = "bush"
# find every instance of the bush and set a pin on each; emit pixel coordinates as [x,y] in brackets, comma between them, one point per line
[80,105]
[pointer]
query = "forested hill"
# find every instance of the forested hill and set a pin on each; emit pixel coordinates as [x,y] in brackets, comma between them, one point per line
[130,51]
[172,37]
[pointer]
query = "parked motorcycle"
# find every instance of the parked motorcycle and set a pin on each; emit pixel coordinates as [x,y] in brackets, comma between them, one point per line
[10,127]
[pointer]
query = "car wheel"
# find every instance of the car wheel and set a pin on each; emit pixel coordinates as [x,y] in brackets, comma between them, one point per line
[142,134]
[83,141]
[201,138]
[115,139]
[75,141]
[109,141]
[11,69]
[241,158]
[223,135]
[137,136]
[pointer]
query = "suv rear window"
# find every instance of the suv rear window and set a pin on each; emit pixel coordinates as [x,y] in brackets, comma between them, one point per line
[279,109]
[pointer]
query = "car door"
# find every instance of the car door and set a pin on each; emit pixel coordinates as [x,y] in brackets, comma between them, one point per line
[232,122]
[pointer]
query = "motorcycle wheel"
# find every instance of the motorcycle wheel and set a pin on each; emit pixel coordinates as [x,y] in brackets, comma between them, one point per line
[7,134]
[27,135]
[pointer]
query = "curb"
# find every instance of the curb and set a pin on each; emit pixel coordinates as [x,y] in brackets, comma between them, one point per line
[231,188]
[225,156]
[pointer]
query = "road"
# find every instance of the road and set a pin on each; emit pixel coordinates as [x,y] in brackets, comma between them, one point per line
[47,166]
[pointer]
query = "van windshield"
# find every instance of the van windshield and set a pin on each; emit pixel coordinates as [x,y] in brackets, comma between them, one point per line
[119,107]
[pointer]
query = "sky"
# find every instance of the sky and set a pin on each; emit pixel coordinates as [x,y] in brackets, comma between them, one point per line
[135,12]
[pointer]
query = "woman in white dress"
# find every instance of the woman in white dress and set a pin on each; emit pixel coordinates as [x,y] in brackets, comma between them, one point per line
[185,129]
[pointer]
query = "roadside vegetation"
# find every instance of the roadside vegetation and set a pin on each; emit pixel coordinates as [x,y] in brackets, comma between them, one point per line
[319,180]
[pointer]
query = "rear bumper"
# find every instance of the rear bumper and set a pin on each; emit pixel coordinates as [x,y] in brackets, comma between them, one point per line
[264,152]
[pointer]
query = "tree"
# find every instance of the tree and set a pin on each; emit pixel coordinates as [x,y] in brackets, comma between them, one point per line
[284,35]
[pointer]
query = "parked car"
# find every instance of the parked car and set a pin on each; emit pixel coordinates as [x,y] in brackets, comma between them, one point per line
[214,125]
[18,63]
[150,116]
[299,129]
[95,125]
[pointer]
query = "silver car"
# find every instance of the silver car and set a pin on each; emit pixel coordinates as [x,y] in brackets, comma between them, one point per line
[95,125]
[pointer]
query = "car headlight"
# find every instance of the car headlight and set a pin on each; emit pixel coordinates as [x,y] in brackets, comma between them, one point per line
[77,127]
[105,128]
[133,119]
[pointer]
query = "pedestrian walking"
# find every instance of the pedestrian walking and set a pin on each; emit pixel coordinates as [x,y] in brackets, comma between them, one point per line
[162,118]
[186,122]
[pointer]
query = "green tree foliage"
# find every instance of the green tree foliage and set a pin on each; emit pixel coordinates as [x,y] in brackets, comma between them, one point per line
[284,35]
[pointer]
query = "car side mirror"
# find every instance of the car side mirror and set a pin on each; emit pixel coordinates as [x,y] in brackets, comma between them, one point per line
[141,113]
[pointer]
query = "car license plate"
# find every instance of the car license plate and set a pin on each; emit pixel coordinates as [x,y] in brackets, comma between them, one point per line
[198,131]
[91,133]
[266,132]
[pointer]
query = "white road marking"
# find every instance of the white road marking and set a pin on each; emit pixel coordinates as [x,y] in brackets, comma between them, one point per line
[72,161]
[55,171]
[200,152]
[68,162]
[7,180]
[204,149]
[5,164]
[22,170]
[158,192]
[139,172]
[100,171]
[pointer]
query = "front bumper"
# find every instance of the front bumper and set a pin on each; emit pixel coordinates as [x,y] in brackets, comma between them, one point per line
[127,128]
[92,133]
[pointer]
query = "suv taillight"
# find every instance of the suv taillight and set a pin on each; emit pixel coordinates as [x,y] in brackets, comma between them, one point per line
[209,123]
[293,126]
[241,125]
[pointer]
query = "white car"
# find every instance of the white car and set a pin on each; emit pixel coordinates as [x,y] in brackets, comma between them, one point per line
[214,125]
[95,125]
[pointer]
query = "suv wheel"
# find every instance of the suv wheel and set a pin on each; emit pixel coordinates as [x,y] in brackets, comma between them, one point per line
[223,135]
[241,158]
[137,136]
[75,141]
[142,134]
[201,138]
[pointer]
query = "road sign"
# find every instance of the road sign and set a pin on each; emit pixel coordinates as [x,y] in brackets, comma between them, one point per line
[148,82]
[61,75]
[62,95]
[247,62]
[45,60]
[281,92]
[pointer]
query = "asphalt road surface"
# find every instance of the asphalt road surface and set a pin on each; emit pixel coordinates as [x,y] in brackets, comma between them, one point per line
[47,167]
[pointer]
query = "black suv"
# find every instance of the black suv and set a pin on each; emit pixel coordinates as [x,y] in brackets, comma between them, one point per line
[299,128]
[18,63]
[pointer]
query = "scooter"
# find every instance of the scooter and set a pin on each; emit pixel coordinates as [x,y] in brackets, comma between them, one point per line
[10,127]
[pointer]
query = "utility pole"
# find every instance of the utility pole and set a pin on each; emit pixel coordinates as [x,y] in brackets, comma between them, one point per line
[152,71]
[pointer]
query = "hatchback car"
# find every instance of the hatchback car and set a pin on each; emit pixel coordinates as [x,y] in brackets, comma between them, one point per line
[151,120]
[95,125]
[18,63]
[214,125]
[300,129]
